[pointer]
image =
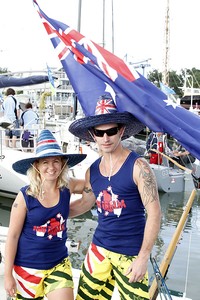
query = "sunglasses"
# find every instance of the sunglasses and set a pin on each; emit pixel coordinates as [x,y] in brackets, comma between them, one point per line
[110,132]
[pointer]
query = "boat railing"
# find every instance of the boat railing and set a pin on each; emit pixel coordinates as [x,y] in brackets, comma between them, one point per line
[19,140]
[60,133]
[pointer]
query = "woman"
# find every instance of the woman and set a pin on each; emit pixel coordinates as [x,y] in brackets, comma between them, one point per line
[36,243]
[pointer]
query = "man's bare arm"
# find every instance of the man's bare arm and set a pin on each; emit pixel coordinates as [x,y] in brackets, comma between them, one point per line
[86,202]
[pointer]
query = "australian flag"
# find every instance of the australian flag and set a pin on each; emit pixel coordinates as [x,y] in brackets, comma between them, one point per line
[93,71]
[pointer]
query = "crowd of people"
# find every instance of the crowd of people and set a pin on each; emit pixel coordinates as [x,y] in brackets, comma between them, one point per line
[20,123]
[11,111]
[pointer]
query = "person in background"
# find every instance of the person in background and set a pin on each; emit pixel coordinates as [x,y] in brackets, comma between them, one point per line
[157,141]
[11,110]
[28,119]
[125,191]
[36,243]
[183,157]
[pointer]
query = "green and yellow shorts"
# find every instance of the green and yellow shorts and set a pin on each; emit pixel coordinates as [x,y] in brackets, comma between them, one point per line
[102,269]
[35,284]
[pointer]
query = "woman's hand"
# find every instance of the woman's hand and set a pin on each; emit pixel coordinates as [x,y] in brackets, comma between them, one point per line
[10,285]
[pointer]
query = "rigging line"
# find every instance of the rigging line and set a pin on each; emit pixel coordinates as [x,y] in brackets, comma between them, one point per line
[173,244]
[195,79]
[162,287]
[175,79]
[187,269]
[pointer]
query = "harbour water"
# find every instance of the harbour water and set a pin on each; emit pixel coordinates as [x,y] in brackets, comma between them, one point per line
[183,273]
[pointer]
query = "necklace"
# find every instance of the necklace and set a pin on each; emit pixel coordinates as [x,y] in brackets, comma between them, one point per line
[112,165]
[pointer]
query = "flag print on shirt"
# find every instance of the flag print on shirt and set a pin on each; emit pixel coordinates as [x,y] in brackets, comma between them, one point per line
[52,228]
[108,202]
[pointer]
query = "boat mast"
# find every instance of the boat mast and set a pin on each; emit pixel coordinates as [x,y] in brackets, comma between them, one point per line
[165,74]
[103,42]
[113,45]
[79,15]
[112,18]
[75,108]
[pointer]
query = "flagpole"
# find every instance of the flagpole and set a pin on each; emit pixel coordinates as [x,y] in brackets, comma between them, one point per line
[113,45]
[79,15]
[103,24]
[78,29]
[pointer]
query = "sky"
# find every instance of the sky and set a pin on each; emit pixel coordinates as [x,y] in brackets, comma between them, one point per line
[139,28]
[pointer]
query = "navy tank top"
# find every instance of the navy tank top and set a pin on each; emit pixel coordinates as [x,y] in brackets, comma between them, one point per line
[43,237]
[121,214]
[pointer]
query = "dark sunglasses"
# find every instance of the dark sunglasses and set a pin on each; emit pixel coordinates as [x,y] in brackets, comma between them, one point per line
[110,132]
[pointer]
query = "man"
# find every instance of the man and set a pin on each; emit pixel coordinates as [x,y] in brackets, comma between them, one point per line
[183,157]
[157,141]
[28,120]
[125,191]
[11,110]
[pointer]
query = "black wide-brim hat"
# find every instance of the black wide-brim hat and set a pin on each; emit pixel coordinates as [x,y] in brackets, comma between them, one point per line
[47,146]
[105,113]
[82,127]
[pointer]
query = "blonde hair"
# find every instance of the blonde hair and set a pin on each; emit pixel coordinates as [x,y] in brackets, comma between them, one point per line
[36,182]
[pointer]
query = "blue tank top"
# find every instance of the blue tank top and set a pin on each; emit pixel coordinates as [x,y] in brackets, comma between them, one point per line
[121,214]
[43,237]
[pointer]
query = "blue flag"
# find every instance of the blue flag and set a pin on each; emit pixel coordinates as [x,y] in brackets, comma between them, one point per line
[51,80]
[92,71]
[165,89]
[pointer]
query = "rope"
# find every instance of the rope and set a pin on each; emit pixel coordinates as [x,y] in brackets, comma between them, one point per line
[162,287]
[187,269]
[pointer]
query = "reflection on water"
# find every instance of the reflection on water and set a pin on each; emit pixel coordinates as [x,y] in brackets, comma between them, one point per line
[81,230]
[5,207]
[183,271]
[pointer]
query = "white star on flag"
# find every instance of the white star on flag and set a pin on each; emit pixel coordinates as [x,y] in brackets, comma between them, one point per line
[172,103]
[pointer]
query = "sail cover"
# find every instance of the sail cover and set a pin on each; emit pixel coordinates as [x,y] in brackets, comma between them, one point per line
[8,81]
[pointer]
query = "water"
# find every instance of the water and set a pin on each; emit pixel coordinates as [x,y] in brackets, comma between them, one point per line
[183,273]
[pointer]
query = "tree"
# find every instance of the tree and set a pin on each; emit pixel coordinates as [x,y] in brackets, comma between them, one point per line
[176,81]
[3,70]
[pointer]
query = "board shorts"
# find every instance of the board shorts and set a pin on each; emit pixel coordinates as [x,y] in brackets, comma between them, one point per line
[35,284]
[102,269]
[14,131]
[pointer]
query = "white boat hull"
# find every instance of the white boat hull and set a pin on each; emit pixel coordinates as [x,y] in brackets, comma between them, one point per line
[171,180]
[10,181]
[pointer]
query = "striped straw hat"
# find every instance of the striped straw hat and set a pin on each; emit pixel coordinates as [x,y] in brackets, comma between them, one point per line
[47,146]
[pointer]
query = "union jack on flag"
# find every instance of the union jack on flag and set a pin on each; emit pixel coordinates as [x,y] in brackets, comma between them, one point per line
[93,71]
[105,106]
